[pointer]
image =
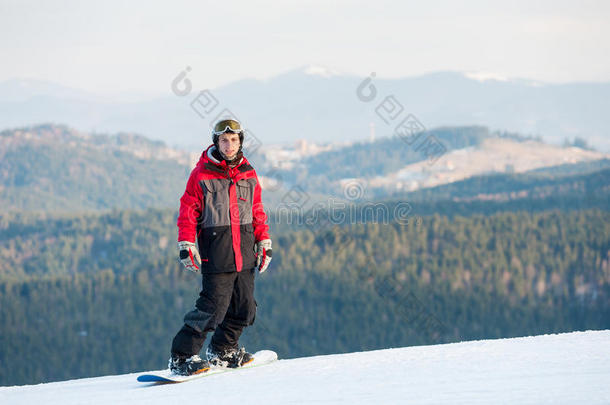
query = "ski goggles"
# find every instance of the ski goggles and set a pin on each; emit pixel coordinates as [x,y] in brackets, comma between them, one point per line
[227,126]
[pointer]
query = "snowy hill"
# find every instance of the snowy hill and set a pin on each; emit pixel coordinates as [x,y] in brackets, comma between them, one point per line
[493,155]
[563,368]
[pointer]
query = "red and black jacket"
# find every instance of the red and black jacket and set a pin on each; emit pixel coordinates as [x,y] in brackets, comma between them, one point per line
[222,208]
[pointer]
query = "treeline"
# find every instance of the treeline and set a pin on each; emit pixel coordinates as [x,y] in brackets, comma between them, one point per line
[37,244]
[330,289]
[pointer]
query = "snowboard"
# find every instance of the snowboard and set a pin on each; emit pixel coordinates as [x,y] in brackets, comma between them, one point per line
[261,358]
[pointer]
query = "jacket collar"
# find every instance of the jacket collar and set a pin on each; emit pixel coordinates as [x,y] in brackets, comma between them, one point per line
[212,159]
[209,162]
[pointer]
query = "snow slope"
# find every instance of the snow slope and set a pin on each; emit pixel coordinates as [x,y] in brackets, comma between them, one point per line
[564,368]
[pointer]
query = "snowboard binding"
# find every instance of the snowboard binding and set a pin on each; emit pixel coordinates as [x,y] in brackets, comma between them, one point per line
[188,366]
[228,358]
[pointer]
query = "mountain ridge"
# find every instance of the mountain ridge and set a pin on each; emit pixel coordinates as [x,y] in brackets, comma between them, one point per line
[297,105]
[55,167]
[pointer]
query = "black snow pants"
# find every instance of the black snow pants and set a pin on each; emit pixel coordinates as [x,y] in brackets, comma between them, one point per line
[225,305]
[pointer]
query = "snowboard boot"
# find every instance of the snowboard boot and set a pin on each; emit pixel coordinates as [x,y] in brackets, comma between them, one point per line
[188,366]
[231,358]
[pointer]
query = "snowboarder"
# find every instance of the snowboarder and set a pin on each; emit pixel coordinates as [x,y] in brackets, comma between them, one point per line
[222,233]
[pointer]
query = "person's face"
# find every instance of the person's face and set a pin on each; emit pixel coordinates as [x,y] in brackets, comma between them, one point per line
[228,144]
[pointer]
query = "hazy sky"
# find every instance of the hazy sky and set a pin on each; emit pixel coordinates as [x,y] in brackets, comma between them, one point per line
[140,46]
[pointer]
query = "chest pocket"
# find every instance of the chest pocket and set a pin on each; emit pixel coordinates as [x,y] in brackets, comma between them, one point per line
[245,196]
[215,202]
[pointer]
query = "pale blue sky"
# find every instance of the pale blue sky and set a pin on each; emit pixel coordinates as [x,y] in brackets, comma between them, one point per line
[122,46]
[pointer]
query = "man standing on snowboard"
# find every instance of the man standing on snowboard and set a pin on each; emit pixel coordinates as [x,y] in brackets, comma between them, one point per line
[222,233]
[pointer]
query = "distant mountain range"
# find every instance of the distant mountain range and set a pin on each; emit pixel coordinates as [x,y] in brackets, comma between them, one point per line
[324,107]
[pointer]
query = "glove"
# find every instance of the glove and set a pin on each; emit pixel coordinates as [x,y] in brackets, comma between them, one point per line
[189,256]
[263,254]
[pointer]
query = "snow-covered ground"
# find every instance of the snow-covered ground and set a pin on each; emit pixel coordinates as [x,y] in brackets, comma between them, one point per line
[565,368]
